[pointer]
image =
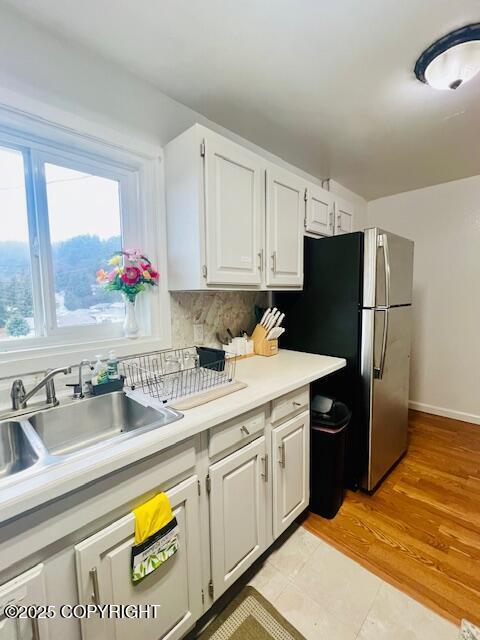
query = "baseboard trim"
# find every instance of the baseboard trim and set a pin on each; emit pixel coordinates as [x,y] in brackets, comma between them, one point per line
[446,413]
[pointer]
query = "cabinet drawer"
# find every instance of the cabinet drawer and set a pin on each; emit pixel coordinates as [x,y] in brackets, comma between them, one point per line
[290,404]
[237,432]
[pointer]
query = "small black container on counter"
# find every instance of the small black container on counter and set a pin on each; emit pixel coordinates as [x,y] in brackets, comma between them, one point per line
[108,387]
[210,358]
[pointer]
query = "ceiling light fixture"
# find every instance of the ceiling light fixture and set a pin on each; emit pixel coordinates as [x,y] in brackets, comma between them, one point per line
[452,60]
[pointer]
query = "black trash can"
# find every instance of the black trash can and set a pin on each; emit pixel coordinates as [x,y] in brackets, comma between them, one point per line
[329,422]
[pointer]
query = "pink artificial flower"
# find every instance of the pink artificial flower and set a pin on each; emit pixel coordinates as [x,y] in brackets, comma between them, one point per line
[153,274]
[131,275]
[111,274]
[133,254]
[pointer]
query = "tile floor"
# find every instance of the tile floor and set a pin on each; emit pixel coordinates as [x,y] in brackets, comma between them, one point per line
[326,595]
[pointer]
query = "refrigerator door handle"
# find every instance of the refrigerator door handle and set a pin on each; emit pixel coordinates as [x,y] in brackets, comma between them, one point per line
[383,242]
[378,371]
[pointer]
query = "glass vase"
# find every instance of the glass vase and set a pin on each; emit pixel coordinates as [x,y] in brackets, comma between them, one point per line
[130,326]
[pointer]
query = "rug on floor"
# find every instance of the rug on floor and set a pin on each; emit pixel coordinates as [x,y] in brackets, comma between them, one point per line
[469,631]
[250,617]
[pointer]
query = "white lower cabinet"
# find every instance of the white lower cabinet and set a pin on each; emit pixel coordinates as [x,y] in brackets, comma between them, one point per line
[290,471]
[238,510]
[24,590]
[103,575]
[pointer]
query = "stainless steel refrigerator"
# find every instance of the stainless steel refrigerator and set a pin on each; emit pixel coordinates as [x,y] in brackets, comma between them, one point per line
[356,304]
[385,348]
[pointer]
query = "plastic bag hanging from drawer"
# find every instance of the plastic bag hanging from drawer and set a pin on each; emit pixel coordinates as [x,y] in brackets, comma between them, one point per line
[156,536]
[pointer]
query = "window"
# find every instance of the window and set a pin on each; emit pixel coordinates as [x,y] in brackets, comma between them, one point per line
[85,229]
[16,299]
[63,214]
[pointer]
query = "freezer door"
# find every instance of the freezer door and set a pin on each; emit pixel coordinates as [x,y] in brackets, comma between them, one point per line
[388,269]
[386,374]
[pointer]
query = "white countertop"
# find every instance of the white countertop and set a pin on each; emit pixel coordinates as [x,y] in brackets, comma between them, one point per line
[266,379]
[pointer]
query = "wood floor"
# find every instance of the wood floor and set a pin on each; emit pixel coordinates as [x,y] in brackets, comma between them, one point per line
[421,530]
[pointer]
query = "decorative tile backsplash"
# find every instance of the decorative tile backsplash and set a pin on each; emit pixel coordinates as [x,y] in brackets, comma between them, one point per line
[217,310]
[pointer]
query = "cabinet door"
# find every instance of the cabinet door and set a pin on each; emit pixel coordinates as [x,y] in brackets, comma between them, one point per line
[104,576]
[291,468]
[237,513]
[320,211]
[26,589]
[285,223]
[234,213]
[343,217]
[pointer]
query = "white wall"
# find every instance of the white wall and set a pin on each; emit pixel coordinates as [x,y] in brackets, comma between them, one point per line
[444,222]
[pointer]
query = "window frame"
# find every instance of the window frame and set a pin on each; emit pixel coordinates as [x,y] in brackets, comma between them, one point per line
[143,225]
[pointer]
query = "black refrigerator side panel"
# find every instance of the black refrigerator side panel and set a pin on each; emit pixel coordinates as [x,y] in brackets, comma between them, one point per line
[325,318]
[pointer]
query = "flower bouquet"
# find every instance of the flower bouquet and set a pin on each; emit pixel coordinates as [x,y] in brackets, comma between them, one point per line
[131,273]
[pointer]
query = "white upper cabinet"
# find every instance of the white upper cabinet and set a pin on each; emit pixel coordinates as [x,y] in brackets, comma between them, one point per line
[285,220]
[234,213]
[236,220]
[343,216]
[320,212]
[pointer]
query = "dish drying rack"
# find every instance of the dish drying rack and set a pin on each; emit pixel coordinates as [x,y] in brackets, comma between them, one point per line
[175,373]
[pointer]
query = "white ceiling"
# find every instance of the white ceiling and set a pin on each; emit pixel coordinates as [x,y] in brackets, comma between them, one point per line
[326,84]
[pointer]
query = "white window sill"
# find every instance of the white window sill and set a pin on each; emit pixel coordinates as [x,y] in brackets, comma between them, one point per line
[22,362]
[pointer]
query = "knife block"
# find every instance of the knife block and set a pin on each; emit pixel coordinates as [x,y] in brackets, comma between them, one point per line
[261,345]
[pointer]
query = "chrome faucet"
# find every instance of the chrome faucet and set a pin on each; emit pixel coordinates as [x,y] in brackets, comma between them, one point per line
[78,386]
[20,397]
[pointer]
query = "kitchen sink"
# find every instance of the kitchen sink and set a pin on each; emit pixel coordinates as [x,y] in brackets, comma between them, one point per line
[70,428]
[16,451]
[47,437]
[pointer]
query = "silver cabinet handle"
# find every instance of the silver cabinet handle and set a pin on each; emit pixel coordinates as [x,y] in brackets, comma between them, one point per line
[378,371]
[339,220]
[260,260]
[96,590]
[35,629]
[244,430]
[331,216]
[265,467]
[296,404]
[281,461]
[274,262]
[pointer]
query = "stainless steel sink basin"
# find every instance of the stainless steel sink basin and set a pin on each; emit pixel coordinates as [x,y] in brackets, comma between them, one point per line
[16,451]
[69,428]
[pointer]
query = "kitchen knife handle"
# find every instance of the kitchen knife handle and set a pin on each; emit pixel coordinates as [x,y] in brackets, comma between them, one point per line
[265,316]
